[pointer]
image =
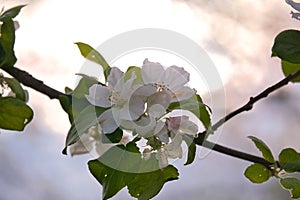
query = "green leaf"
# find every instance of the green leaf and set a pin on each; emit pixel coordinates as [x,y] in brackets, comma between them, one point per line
[287,46]
[16,88]
[191,149]
[93,55]
[113,169]
[11,13]
[289,160]
[111,180]
[127,159]
[196,106]
[147,185]
[293,185]
[257,173]
[290,68]
[264,149]
[83,86]
[83,121]
[7,41]
[122,166]
[66,104]
[138,73]
[68,90]
[78,105]
[114,137]
[14,114]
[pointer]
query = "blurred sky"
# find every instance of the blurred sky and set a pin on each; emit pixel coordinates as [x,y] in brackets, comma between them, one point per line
[237,36]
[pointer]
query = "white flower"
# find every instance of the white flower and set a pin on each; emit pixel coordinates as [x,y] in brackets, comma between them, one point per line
[82,146]
[179,126]
[157,103]
[161,87]
[171,80]
[92,140]
[88,141]
[146,126]
[117,96]
[182,125]
[171,150]
[147,153]
[150,123]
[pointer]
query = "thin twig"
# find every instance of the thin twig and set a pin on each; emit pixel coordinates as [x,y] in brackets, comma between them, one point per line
[200,140]
[248,106]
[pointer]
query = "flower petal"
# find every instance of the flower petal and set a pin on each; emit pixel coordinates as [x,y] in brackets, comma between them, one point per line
[131,111]
[126,88]
[188,127]
[175,77]
[174,122]
[162,132]
[156,111]
[183,94]
[82,146]
[158,103]
[161,98]
[99,96]
[107,122]
[136,107]
[151,72]
[162,158]
[145,90]
[147,153]
[174,148]
[114,77]
[145,126]
[175,153]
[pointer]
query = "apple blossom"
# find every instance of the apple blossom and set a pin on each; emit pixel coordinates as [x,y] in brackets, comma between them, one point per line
[182,125]
[178,126]
[116,97]
[92,140]
[142,108]
[171,80]
[171,150]
[89,141]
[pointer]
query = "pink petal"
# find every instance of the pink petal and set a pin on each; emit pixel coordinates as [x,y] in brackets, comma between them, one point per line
[174,122]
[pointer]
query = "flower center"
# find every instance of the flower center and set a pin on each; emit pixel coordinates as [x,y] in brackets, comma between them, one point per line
[160,87]
[116,99]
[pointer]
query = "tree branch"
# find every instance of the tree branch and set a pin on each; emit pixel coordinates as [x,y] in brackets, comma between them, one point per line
[28,80]
[236,154]
[248,106]
[200,140]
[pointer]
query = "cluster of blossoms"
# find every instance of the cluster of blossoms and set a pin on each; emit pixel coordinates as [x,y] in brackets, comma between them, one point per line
[137,101]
